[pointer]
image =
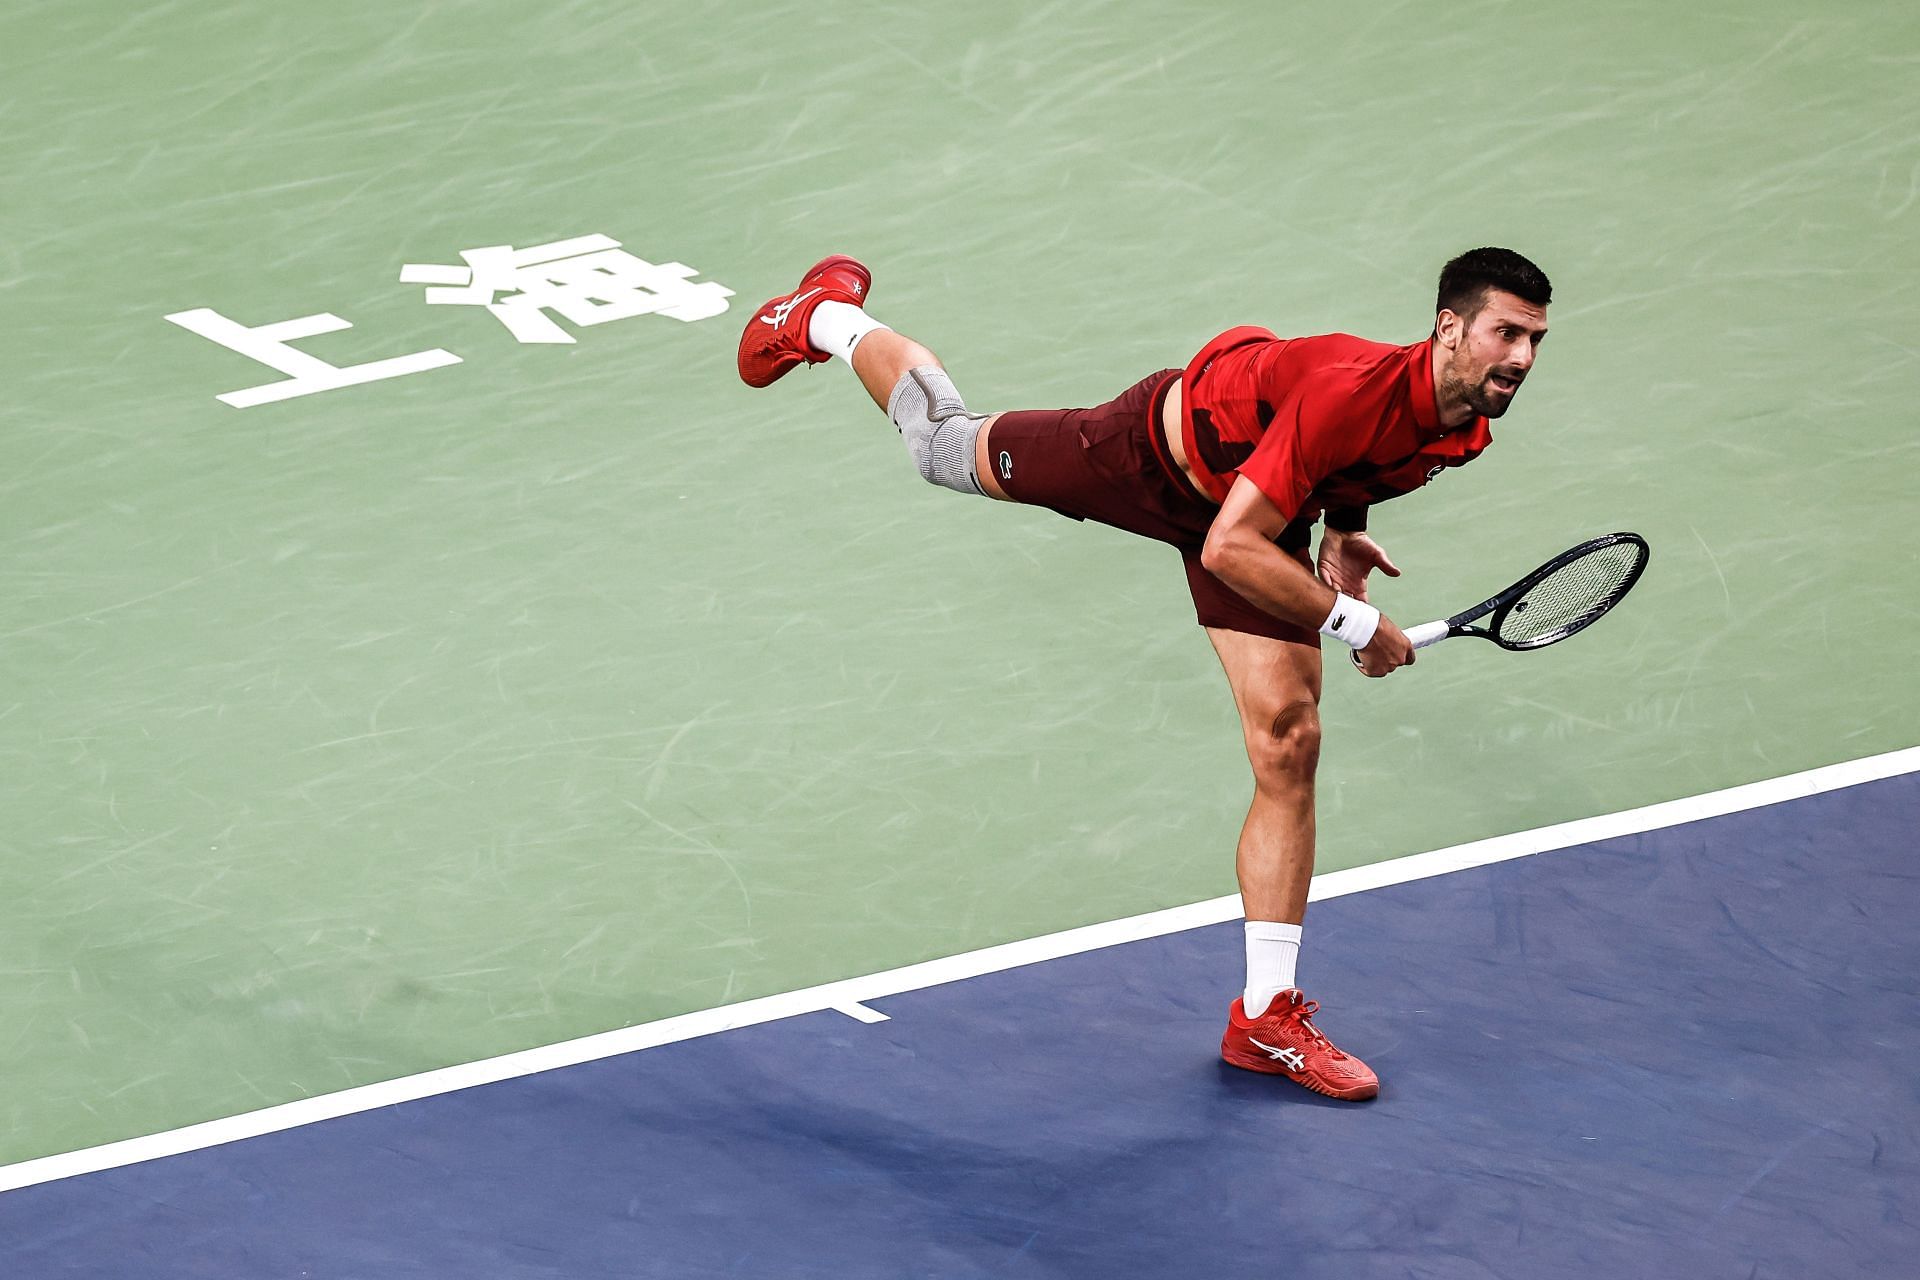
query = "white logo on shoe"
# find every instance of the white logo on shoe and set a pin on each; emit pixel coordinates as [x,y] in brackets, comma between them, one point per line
[1291,1059]
[1006,465]
[778,316]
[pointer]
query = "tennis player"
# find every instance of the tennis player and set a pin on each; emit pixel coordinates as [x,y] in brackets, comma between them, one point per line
[1231,460]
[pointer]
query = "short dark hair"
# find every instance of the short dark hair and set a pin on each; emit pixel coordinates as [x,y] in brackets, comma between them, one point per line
[1464,282]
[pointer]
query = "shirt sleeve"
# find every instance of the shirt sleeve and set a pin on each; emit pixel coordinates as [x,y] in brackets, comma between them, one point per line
[1347,519]
[1307,440]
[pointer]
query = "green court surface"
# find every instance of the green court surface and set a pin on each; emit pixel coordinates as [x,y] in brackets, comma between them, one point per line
[573,686]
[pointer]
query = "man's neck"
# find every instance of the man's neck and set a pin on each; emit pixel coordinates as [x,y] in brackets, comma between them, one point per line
[1449,404]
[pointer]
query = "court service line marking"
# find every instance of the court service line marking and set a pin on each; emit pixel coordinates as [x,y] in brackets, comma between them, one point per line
[859,1012]
[847,996]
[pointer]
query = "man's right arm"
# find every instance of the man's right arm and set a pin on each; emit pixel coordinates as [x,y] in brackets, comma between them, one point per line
[1240,551]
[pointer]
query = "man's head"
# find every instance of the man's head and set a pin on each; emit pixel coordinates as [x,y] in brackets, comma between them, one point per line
[1491,314]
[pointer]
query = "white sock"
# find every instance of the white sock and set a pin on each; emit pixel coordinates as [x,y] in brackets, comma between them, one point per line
[1273,949]
[837,327]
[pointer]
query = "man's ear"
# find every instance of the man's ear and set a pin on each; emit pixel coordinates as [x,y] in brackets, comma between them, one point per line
[1447,328]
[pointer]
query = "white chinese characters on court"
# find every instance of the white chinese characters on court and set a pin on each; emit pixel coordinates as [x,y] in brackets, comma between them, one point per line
[588,280]
[271,344]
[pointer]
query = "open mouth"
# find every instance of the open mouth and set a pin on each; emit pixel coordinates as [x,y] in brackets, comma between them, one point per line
[1505,382]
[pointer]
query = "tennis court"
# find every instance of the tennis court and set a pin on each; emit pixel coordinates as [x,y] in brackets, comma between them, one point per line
[526,679]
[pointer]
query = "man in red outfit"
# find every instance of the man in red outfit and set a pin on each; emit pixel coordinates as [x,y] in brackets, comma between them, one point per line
[1231,460]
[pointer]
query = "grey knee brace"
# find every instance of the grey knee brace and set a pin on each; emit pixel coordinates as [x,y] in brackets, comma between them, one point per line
[939,431]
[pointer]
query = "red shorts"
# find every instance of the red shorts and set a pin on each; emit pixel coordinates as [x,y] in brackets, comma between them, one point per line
[1106,464]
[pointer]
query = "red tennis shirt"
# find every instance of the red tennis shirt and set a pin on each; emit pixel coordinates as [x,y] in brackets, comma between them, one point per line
[1329,421]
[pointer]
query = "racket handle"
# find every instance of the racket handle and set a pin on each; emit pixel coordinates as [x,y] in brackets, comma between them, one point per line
[1427,634]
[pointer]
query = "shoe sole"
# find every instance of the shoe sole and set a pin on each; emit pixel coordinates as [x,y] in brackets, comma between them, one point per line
[837,259]
[1265,1067]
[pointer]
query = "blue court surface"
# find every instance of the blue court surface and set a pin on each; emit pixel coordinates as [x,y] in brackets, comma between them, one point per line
[1693,1052]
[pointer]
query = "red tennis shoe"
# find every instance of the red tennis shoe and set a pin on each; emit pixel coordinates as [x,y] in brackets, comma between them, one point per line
[1284,1042]
[775,339]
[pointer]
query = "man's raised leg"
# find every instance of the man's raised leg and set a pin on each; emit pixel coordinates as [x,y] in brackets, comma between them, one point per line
[885,362]
[826,317]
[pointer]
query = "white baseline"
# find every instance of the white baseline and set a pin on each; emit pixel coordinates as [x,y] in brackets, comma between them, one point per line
[850,994]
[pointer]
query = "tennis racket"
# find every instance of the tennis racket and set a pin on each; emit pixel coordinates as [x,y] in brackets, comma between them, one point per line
[1563,597]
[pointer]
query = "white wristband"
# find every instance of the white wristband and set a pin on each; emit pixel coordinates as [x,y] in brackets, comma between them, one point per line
[1353,621]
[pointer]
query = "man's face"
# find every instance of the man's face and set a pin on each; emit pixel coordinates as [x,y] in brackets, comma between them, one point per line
[1489,354]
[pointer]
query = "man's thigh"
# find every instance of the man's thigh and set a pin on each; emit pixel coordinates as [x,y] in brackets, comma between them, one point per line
[1270,678]
[1094,464]
[1270,667]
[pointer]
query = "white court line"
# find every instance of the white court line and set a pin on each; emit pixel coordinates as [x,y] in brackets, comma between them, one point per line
[859,1012]
[848,995]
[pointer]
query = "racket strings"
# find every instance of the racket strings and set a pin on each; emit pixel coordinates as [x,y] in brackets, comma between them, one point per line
[1571,596]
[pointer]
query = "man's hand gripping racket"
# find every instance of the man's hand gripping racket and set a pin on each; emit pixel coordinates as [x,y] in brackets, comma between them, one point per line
[1566,595]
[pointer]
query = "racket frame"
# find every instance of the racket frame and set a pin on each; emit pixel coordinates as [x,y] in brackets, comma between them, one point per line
[1498,605]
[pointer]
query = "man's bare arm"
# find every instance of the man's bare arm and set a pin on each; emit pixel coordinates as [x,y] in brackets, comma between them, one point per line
[1240,551]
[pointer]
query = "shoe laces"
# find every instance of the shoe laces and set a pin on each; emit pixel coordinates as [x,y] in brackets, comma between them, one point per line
[1300,1012]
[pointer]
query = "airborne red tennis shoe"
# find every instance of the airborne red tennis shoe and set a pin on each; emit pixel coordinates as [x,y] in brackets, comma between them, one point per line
[775,339]
[1284,1042]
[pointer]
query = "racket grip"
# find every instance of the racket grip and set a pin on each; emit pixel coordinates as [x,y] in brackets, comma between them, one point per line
[1427,634]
